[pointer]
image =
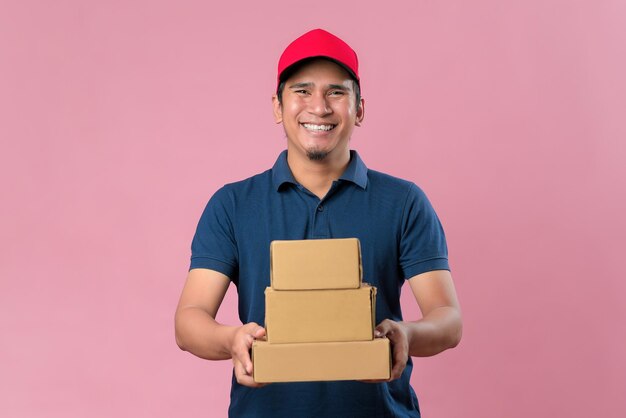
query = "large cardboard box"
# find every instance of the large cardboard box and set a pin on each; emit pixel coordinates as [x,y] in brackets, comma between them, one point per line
[316,264]
[300,316]
[302,362]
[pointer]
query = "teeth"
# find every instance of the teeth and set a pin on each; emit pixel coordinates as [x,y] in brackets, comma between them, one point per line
[318,127]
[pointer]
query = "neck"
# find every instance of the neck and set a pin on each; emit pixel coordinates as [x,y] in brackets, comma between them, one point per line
[318,176]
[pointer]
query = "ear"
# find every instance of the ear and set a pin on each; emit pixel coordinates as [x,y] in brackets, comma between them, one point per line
[278,109]
[360,112]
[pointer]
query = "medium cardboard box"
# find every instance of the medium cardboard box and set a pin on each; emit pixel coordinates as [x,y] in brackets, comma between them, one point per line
[304,362]
[300,316]
[316,264]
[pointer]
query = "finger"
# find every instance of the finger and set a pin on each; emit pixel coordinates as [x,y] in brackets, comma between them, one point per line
[242,354]
[246,379]
[240,371]
[249,382]
[244,373]
[399,361]
[247,362]
[259,333]
[397,370]
[382,329]
[254,330]
[250,328]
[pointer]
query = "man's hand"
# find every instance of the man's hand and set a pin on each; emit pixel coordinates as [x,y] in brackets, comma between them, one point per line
[240,352]
[399,345]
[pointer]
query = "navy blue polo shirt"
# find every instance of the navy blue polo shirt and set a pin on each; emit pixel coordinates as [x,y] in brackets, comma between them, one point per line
[400,237]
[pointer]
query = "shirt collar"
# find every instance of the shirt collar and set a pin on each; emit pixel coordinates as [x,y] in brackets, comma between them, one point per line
[356,172]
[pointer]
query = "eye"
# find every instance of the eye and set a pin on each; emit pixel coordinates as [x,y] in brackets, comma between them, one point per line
[337,93]
[301,91]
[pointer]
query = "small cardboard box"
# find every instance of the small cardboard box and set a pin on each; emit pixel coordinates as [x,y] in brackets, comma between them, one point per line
[305,362]
[301,316]
[316,264]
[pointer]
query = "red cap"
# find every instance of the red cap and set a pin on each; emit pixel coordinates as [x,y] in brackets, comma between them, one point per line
[319,43]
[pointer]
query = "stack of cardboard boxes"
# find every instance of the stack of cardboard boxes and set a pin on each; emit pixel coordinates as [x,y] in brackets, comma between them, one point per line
[319,317]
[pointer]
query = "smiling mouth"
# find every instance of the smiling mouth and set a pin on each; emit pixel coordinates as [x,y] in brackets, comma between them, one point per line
[318,128]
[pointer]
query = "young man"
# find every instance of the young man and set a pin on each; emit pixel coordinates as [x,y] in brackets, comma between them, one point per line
[319,188]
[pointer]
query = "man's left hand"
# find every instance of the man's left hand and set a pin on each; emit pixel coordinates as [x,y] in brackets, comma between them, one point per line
[398,338]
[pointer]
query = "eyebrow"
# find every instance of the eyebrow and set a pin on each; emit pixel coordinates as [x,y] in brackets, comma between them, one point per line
[300,85]
[338,87]
[309,84]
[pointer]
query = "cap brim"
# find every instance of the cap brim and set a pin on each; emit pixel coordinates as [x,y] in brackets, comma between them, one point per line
[288,71]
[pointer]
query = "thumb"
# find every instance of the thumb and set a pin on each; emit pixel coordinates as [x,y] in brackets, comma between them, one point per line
[259,332]
[251,328]
[381,329]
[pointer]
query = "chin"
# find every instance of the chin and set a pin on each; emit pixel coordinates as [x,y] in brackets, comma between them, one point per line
[316,155]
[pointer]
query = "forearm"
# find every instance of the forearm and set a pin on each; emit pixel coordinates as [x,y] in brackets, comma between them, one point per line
[440,330]
[198,333]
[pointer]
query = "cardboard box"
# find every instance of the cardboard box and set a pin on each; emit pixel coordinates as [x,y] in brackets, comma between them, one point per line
[304,362]
[300,316]
[316,264]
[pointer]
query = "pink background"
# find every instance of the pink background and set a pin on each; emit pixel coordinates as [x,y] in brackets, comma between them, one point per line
[120,119]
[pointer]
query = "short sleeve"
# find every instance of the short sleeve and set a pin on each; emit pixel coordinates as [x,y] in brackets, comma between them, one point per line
[214,246]
[423,243]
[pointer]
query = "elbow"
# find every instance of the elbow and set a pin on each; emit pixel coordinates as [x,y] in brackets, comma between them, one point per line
[179,342]
[455,338]
[456,334]
[178,334]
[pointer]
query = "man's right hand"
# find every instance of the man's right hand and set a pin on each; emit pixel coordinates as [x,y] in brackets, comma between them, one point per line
[199,333]
[240,352]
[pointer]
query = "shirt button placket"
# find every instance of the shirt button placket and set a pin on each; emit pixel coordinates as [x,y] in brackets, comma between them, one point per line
[322,229]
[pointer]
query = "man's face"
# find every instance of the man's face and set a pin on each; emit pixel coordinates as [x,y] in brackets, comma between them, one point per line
[318,110]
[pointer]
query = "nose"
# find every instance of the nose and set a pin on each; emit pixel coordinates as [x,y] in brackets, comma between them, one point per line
[318,104]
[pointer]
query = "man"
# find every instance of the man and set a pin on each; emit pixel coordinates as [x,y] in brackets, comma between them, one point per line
[319,188]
